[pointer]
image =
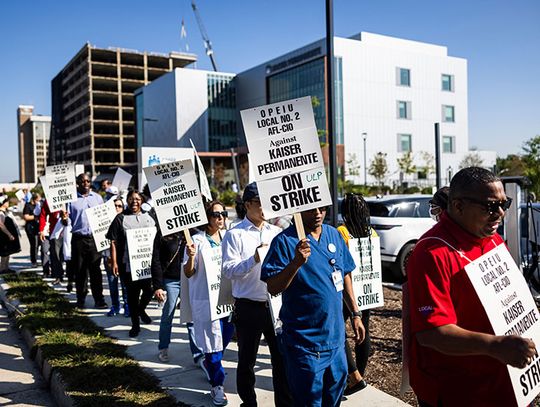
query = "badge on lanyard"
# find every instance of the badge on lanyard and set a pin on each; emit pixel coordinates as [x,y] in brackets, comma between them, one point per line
[337,278]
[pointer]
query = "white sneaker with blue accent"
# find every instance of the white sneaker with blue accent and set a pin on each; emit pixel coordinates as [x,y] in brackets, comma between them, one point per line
[219,398]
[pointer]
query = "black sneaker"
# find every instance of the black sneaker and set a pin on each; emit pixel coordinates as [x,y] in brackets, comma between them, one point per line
[69,287]
[145,318]
[133,332]
[101,305]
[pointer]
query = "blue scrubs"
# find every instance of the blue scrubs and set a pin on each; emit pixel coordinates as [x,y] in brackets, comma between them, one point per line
[313,334]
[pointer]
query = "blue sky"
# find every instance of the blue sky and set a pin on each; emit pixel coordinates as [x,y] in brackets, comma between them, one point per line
[500,40]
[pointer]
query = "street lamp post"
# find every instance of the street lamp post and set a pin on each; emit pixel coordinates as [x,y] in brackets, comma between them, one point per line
[364,136]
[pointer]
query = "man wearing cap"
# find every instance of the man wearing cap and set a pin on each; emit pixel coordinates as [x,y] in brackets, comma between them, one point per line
[243,250]
[314,276]
[455,358]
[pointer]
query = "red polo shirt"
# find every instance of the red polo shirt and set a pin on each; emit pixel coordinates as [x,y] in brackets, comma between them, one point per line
[440,293]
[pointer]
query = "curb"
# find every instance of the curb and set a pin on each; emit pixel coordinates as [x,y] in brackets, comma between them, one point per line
[53,379]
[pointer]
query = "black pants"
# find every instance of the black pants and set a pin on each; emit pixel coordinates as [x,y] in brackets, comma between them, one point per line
[86,261]
[361,351]
[252,319]
[57,257]
[139,294]
[33,239]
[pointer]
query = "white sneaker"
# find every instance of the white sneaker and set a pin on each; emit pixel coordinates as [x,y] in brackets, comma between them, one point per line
[204,369]
[219,398]
[163,355]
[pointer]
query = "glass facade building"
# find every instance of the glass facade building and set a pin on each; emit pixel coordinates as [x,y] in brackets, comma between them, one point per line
[221,113]
[309,79]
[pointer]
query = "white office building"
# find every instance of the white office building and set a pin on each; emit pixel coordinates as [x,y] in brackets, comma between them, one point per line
[389,93]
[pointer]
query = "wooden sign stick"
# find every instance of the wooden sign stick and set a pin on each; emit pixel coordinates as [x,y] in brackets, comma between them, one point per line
[189,241]
[299,226]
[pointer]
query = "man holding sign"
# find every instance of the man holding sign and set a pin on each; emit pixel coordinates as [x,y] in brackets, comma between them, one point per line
[456,359]
[314,276]
[243,251]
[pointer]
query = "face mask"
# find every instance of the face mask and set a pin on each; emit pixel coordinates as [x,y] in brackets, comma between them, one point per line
[435,212]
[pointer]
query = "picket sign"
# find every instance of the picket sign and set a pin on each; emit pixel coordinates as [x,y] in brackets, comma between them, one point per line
[121,180]
[212,262]
[286,157]
[367,276]
[511,310]
[140,244]
[176,196]
[59,185]
[100,218]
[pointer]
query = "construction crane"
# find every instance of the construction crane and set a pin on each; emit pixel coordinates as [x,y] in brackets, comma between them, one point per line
[207,43]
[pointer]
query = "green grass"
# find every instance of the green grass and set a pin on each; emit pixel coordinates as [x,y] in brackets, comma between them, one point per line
[95,369]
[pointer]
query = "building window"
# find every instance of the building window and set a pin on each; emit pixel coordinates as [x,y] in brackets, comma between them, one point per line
[448,114]
[403,109]
[404,143]
[403,76]
[448,144]
[447,82]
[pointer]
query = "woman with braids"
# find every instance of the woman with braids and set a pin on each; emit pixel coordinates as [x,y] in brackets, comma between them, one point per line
[355,212]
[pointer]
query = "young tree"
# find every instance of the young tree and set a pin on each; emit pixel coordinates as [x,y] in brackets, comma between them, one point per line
[406,164]
[471,160]
[429,163]
[512,164]
[531,158]
[379,167]
[352,168]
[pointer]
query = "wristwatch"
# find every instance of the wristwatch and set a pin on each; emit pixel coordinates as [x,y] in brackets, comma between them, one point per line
[356,314]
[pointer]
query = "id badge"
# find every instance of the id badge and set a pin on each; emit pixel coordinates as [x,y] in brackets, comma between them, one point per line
[337,278]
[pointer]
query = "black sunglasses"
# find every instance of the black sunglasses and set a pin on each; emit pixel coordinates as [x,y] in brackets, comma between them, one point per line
[492,206]
[217,214]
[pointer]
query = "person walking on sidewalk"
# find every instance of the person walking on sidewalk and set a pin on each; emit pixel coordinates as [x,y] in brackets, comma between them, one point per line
[112,279]
[314,276]
[166,267]
[31,227]
[242,265]
[212,335]
[455,357]
[133,218]
[355,212]
[56,255]
[85,258]
[9,235]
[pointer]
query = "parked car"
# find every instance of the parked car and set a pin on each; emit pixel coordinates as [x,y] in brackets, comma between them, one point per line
[400,220]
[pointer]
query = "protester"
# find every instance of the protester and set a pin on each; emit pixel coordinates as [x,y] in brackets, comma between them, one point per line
[112,278]
[139,292]
[438,203]
[167,259]
[212,335]
[313,275]
[455,357]
[241,263]
[31,226]
[47,225]
[85,258]
[9,235]
[355,212]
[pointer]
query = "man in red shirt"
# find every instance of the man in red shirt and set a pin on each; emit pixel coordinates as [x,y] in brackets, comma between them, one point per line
[455,358]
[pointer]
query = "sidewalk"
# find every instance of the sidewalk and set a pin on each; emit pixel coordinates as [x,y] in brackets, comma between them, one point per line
[180,377]
[21,383]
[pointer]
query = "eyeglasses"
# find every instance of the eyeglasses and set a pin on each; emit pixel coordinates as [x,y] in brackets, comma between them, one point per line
[119,206]
[217,214]
[492,206]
